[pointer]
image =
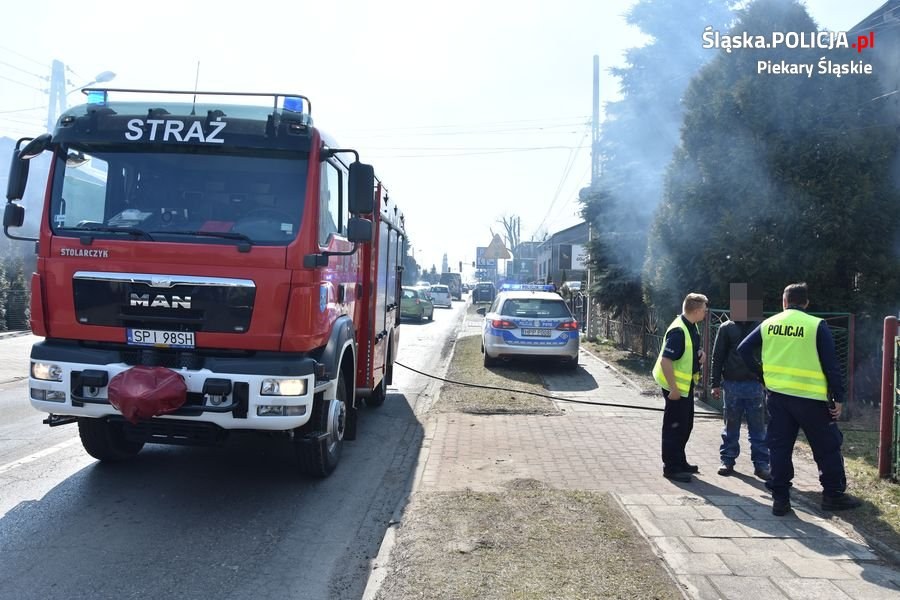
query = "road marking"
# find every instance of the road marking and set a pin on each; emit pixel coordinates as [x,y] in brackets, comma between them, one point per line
[38,455]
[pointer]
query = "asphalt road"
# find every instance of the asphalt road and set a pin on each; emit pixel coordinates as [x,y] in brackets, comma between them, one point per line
[228,523]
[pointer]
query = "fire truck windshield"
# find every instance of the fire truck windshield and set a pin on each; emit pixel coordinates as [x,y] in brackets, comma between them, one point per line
[178,195]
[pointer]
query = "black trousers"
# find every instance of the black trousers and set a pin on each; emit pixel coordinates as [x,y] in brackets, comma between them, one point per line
[787,415]
[678,422]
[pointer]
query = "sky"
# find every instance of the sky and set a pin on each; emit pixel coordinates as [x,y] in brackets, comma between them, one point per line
[470,111]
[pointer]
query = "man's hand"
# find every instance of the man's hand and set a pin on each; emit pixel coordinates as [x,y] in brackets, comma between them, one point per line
[674,395]
[702,356]
[716,393]
[835,409]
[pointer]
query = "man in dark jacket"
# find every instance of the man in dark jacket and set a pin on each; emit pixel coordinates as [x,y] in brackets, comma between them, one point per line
[744,393]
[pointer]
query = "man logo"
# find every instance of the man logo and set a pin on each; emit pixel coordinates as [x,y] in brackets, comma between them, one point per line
[159,301]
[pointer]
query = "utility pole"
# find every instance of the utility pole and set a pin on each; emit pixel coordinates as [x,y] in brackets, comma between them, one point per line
[595,127]
[57,104]
[595,183]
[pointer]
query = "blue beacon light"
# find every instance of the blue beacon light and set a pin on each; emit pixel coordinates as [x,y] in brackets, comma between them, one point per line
[293,104]
[96,97]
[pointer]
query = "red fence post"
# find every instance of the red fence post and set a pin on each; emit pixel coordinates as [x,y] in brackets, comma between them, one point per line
[886,427]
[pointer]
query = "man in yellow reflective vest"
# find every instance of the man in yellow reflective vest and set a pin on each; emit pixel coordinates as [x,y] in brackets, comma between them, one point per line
[801,373]
[677,369]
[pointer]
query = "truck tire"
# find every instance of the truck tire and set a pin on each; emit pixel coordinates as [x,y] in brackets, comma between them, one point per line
[318,444]
[378,394]
[105,440]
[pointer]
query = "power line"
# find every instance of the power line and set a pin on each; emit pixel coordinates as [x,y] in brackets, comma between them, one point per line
[579,119]
[472,148]
[384,156]
[568,168]
[22,84]
[26,71]
[6,112]
[11,51]
[518,130]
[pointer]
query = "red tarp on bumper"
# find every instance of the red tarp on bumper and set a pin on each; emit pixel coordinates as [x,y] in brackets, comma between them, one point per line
[144,392]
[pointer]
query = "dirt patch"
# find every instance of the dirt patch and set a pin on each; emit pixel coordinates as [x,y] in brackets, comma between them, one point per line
[467,366]
[529,542]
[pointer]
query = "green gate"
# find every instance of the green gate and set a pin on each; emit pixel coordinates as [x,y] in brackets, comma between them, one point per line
[842,330]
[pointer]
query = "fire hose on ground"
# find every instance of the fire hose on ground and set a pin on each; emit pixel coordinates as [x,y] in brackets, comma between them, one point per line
[702,414]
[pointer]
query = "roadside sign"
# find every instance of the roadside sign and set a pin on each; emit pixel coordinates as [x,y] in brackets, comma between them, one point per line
[482,261]
[496,249]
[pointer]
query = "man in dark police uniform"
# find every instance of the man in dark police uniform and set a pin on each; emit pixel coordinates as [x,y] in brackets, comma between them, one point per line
[805,390]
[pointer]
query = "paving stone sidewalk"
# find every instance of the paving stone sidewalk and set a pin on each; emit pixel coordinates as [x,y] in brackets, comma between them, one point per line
[716,535]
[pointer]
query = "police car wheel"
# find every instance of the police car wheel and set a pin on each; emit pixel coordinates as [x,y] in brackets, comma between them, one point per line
[488,361]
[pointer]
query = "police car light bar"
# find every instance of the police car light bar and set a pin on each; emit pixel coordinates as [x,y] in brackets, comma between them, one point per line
[527,287]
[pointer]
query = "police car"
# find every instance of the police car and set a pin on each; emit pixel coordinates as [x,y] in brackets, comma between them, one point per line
[529,320]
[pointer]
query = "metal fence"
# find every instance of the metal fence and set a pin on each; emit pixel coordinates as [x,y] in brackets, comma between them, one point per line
[14,310]
[644,336]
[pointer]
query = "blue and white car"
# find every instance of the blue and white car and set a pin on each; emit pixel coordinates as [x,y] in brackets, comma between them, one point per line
[527,320]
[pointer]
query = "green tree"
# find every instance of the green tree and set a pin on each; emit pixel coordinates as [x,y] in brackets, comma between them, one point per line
[639,135]
[18,297]
[4,295]
[780,178]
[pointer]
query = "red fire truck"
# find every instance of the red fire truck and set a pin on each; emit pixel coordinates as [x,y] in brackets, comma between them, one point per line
[208,262]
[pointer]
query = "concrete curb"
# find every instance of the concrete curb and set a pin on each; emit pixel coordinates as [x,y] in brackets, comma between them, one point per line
[11,334]
[652,546]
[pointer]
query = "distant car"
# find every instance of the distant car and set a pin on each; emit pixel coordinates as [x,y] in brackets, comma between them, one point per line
[415,305]
[423,284]
[529,322]
[440,296]
[465,288]
[484,291]
[425,289]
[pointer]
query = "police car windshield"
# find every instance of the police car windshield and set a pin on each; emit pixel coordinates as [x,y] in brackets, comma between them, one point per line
[533,308]
[179,191]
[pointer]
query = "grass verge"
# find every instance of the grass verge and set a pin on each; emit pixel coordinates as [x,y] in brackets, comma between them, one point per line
[467,366]
[529,542]
[879,516]
[637,368]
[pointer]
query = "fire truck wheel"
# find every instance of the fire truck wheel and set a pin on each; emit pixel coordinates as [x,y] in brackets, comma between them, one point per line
[318,444]
[378,394]
[105,440]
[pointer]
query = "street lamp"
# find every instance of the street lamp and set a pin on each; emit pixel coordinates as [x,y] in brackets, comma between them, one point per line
[58,96]
[100,78]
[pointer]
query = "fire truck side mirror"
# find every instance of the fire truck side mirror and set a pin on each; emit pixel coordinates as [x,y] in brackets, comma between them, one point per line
[14,215]
[18,177]
[362,188]
[359,230]
[36,146]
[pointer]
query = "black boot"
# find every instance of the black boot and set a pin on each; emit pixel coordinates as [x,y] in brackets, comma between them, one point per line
[781,507]
[840,502]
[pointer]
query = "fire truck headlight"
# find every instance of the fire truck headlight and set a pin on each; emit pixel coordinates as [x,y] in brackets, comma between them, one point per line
[46,371]
[283,387]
